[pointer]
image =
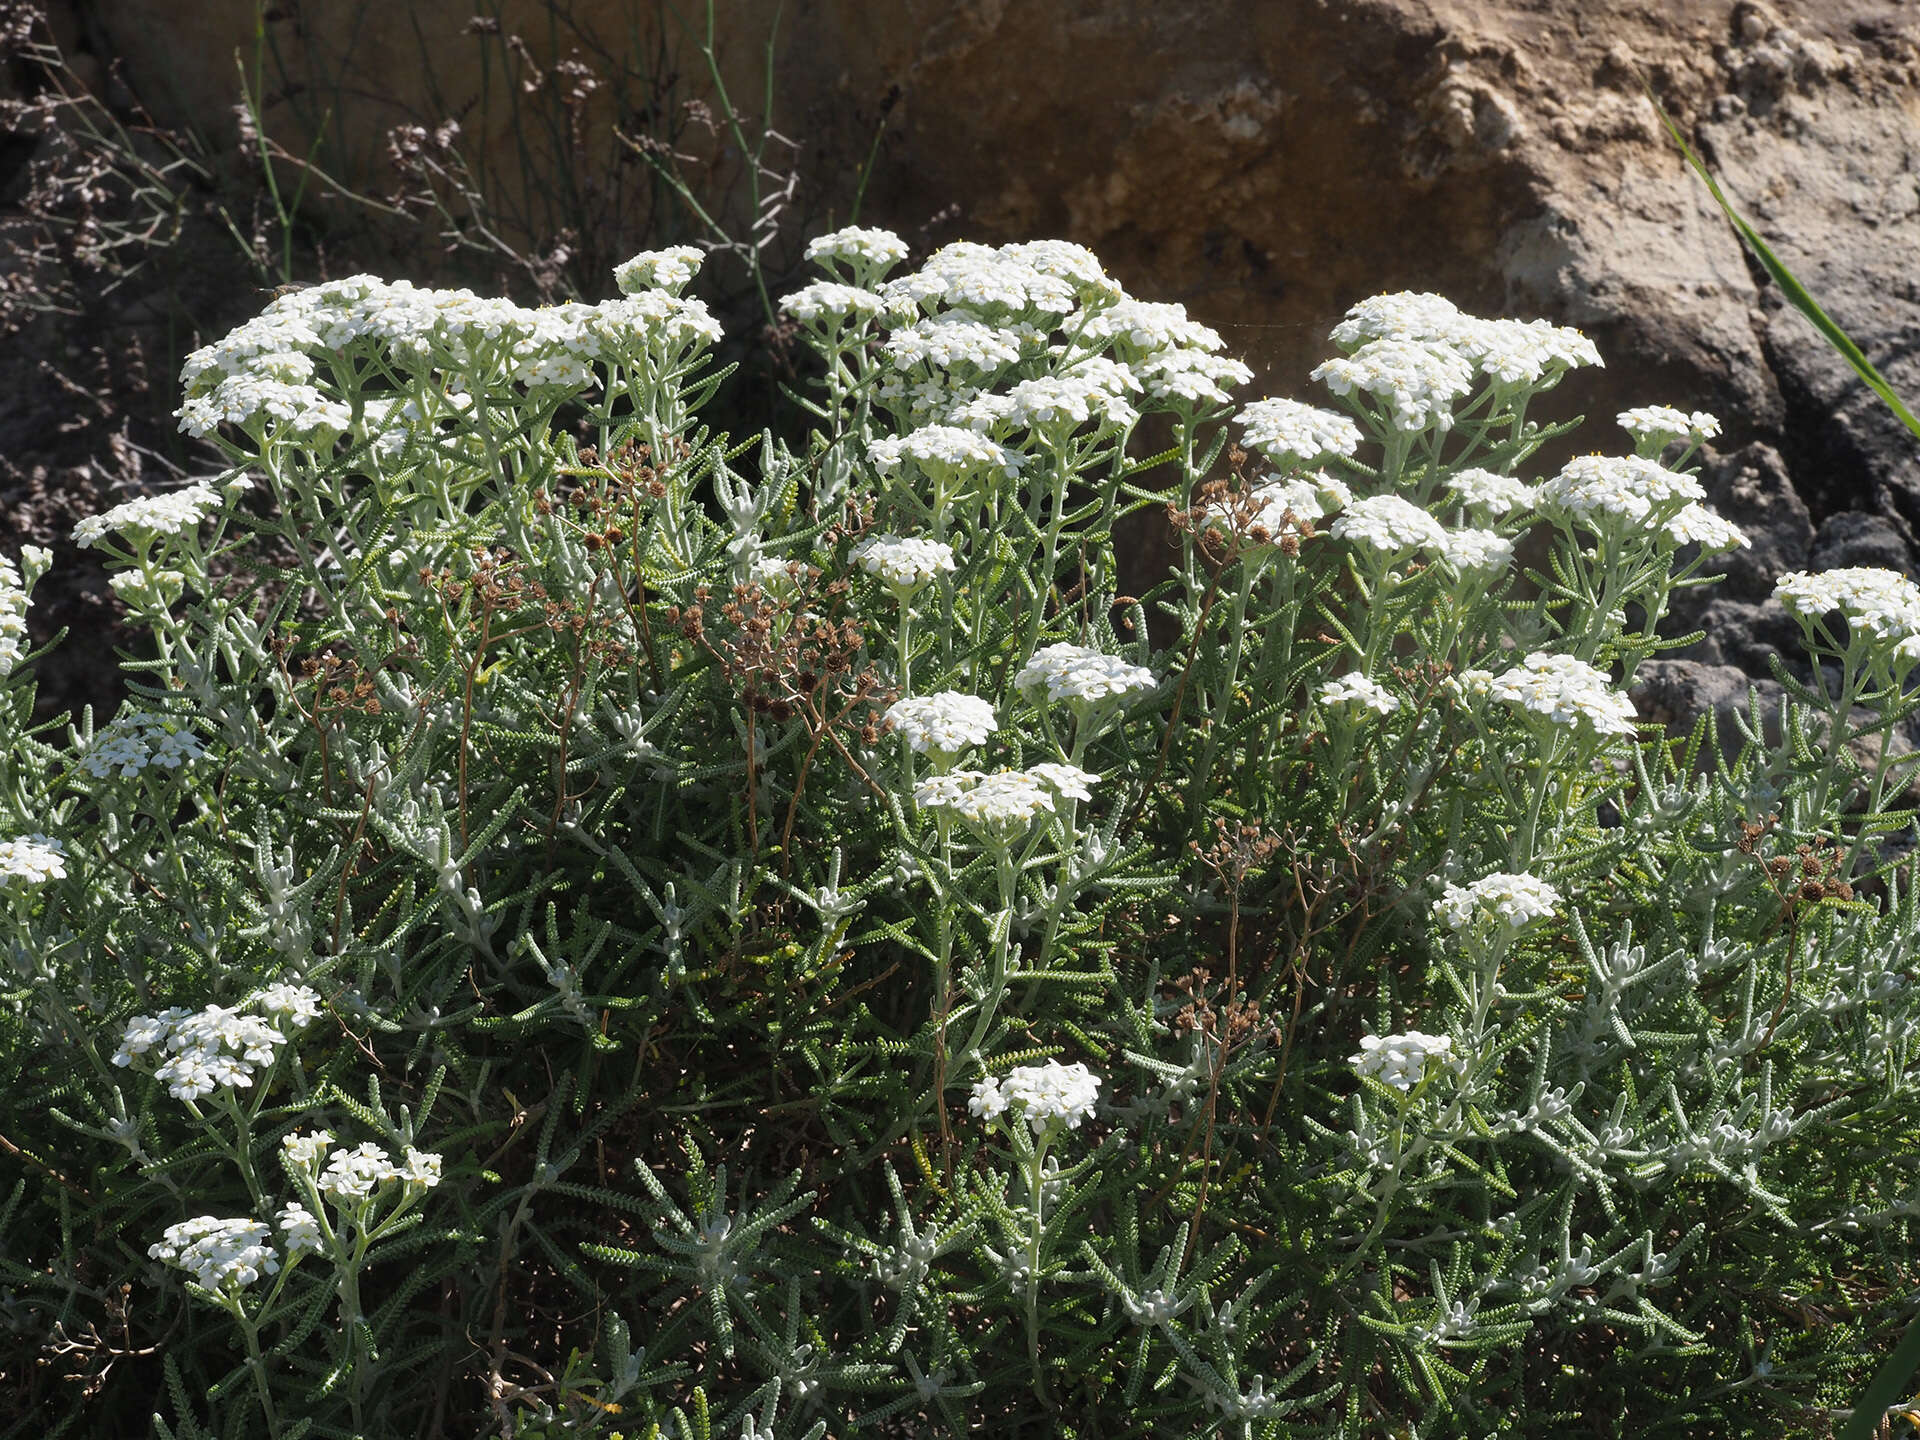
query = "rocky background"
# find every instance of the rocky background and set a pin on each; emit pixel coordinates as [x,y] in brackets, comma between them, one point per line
[1266,162]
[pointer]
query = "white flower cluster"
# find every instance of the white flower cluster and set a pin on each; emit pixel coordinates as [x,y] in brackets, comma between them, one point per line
[1658,426]
[349,1175]
[1626,487]
[1566,690]
[32,859]
[264,371]
[1192,377]
[1042,1095]
[1514,900]
[1043,279]
[1082,676]
[1417,381]
[219,1254]
[903,563]
[1389,524]
[1402,1060]
[1713,533]
[14,592]
[169,513]
[1359,693]
[947,450]
[1882,604]
[1003,803]
[1290,433]
[1468,550]
[1496,494]
[832,301]
[1285,503]
[946,723]
[299,1231]
[1138,328]
[857,247]
[1509,352]
[218,1047]
[1092,390]
[671,270]
[135,741]
[955,342]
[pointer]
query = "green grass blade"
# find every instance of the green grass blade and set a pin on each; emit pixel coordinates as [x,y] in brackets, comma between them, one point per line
[1790,286]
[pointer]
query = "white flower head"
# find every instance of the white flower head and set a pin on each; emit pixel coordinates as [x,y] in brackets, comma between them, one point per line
[671,270]
[866,253]
[1390,525]
[946,452]
[1496,494]
[32,860]
[996,806]
[828,303]
[1403,315]
[351,1176]
[1515,901]
[1290,433]
[1655,427]
[1083,677]
[1414,381]
[295,1004]
[1043,1095]
[1562,688]
[1612,490]
[137,741]
[1467,550]
[1357,692]
[1282,507]
[1069,782]
[1402,1060]
[905,564]
[1882,605]
[1714,534]
[170,513]
[945,724]
[309,1150]
[219,1254]
[299,1231]
[1530,353]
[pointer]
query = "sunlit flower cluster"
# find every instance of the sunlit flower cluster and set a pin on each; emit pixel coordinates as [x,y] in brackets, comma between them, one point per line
[947,450]
[217,1048]
[1514,900]
[1042,1095]
[857,247]
[904,563]
[137,740]
[1414,381]
[1390,525]
[14,592]
[1510,353]
[32,860]
[1658,426]
[832,300]
[1003,803]
[1882,604]
[1496,494]
[350,1174]
[1594,488]
[169,513]
[671,270]
[218,1254]
[1290,433]
[1359,693]
[1402,1061]
[1468,550]
[1082,676]
[946,723]
[1562,688]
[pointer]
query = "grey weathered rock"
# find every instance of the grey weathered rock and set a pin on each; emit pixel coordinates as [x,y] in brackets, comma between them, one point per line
[1856,538]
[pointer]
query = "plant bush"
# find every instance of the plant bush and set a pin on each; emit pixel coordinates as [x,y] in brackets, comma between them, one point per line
[593,927]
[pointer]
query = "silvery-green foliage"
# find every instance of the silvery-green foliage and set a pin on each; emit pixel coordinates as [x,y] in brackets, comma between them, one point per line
[587,925]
